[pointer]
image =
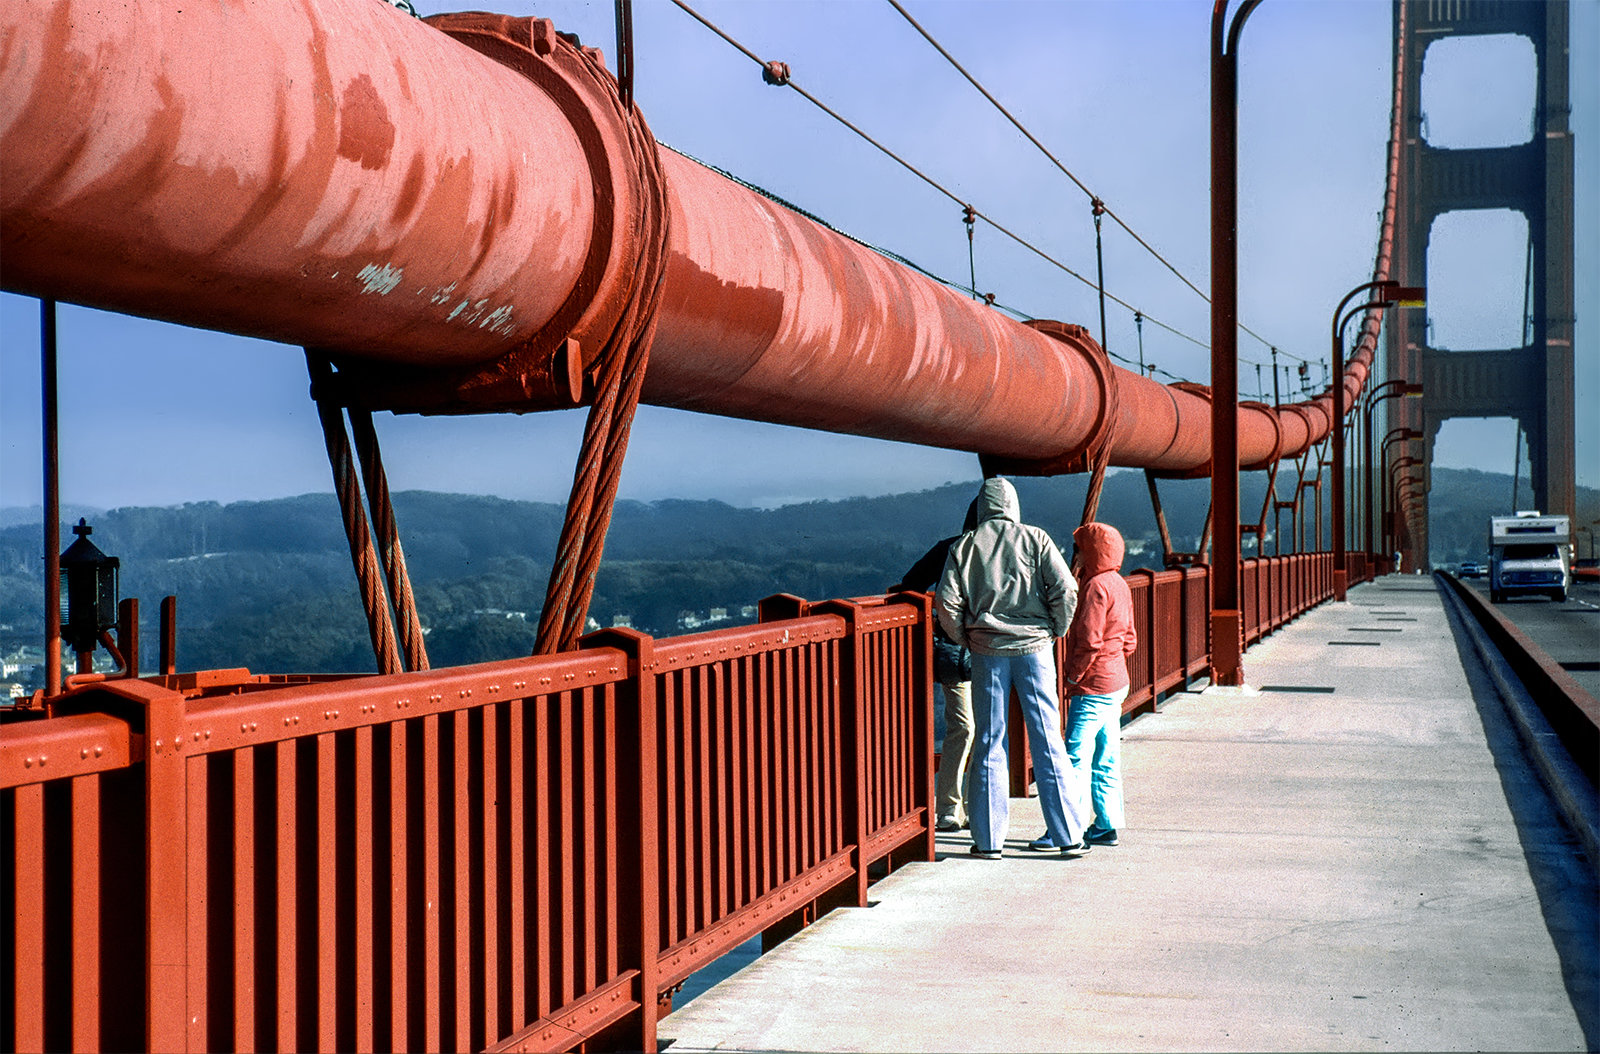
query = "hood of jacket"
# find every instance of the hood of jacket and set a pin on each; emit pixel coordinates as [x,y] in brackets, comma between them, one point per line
[997,499]
[1100,549]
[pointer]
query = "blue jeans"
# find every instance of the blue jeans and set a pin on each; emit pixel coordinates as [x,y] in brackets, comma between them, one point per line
[1034,678]
[1094,746]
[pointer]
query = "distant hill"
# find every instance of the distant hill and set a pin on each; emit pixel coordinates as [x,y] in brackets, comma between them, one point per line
[268,584]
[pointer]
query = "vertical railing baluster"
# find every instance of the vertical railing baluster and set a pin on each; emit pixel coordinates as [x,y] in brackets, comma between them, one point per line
[286,898]
[488,765]
[543,869]
[516,862]
[327,896]
[854,740]
[589,794]
[28,942]
[432,891]
[245,1011]
[712,684]
[671,787]
[616,800]
[195,864]
[402,1010]
[461,913]
[365,793]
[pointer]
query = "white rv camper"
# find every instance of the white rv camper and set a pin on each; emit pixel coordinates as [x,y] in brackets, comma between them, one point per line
[1529,554]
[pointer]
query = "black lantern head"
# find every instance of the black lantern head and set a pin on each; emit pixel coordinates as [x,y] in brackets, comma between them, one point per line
[88,591]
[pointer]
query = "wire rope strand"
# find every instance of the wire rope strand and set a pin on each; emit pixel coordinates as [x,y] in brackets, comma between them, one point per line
[930,181]
[390,552]
[362,552]
[1101,206]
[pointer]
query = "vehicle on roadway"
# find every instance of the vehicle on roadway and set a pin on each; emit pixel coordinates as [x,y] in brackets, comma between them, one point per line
[1529,555]
[1471,569]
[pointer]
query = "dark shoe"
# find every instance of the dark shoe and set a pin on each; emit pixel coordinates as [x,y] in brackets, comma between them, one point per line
[984,854]
[1076,849]
[1043,845]
[1096,836]
[947,825]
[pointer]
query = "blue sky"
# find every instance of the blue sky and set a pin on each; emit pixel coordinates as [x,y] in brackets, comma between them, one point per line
[158,414]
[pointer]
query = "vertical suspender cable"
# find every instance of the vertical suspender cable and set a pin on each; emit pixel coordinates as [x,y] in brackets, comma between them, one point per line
[969,217]
[625,52]
[362,553]
[1099,208]
[605,436]
[390,551]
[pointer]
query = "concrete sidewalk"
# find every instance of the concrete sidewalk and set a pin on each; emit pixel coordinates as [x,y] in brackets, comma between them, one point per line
[1371,867]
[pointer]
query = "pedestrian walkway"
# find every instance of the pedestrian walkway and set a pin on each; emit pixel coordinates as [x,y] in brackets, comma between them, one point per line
[1357,858]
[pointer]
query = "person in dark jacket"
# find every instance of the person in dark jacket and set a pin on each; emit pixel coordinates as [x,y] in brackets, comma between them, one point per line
[1007,594]
[1096,670]
[952,668]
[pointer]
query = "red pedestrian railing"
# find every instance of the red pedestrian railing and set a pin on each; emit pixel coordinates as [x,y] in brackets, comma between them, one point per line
[518,855]
[529,855]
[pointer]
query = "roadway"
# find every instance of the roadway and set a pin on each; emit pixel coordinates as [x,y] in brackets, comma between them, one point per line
[1569,633]
[1357,857]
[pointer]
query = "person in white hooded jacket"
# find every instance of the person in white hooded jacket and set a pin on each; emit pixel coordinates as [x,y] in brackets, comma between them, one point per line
[1006,593]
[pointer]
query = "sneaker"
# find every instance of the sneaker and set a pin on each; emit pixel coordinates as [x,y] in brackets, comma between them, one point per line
[1097,836]
[1043,845]
[984,854]
[947,825]
[1076,849]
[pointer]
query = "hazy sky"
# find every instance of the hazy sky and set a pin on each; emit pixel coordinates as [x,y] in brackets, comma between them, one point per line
[158,414]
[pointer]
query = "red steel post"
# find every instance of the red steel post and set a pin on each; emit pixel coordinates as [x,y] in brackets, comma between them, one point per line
[640,883]
[1226,632]
[52,501]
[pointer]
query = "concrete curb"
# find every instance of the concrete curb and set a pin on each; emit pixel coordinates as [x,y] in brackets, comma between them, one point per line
[1574,797]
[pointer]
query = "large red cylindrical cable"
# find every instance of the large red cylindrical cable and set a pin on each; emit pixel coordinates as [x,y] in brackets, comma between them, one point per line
[322,172]
[339,175]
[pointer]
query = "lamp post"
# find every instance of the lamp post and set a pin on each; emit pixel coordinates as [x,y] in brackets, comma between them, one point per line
[1395,435]
[1373,398]
[1352,513]
[1388,292]
[1409,495]
[1391,507]
[89,581]
[1227,628]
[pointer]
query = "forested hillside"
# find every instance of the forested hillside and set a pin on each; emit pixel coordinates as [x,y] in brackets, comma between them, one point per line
[268,585]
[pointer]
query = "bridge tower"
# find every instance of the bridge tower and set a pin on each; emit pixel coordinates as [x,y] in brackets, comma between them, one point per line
[1532,383]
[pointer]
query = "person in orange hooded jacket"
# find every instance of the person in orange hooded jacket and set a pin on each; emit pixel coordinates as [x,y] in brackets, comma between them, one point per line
[1096,669]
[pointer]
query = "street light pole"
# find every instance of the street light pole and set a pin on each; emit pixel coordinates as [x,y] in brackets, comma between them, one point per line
[1374,397]
[1389,292]
[1352,513]
[1227,630]
[1391,506]
[1402,434]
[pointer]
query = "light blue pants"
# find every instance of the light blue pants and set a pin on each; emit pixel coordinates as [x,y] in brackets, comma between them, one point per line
[1094,747]
[1034,678]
